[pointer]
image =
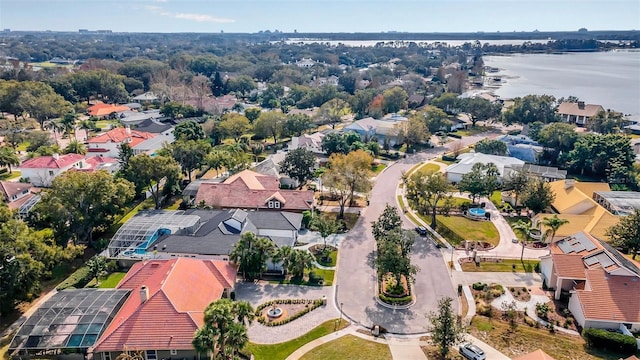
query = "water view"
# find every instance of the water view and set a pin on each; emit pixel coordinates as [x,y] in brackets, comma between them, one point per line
[611,79]
[358,43]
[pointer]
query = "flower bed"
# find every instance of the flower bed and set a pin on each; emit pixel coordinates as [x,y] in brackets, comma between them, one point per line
[393,293]
[291,310]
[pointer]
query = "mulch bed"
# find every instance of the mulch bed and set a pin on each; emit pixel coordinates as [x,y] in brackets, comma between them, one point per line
[520,293]
[288,310]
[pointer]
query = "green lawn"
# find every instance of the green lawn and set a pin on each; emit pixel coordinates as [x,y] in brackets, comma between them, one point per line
[351,347]
[112,280]
[474,130]
[282,350]
[496,198]
[326,275]
[513,220]
[102,124]
[429,168]
[466,229]
[333,258]
[10,176]
[506,265]
[457,202]
[377,169]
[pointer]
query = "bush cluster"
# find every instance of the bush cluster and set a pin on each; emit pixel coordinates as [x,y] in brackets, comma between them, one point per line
[78,279]
[396,300]
[600,338]
[454,135]
[310,305]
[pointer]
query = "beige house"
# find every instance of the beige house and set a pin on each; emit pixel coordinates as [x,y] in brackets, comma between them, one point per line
[578,113]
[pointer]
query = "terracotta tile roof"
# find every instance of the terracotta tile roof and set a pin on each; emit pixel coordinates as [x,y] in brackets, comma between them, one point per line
[576,249]
[50,162]
[179,291]
[237,195]
[102,109]
[570,108]
[611,298]
[569,266]
[120,135]
[254,181]
[535,355]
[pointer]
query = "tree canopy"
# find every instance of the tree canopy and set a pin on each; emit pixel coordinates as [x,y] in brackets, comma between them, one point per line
[626,233]
[482,180]
[298,164]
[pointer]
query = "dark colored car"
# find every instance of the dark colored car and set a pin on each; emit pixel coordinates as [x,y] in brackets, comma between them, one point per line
[421,230]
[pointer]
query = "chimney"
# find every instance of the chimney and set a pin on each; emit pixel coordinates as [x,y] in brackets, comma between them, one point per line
[580,104]
[568,183]
[56,156]
[144,293]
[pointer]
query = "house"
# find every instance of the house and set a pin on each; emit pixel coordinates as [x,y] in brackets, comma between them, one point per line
[41,171]
[602,285]
[96,163]
[522,147]
[253,191]
[305,63]
[198,233]
[466,161]
[165,307]
[380,129]
[153,126]
[461,122]
[578,112]
[547,173]
[102,110]
[17,194]
[146,98]
[271,167]
[108,144]
[311,142]
[132,118]
[574,201]
[415,101]
[535,355]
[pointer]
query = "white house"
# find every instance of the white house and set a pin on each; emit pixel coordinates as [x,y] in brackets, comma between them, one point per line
[311,142]
[305,63]
[466,161]
[602,284]
[41,170]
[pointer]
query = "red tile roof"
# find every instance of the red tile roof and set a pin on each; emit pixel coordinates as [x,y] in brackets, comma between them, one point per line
[179,291]
[103,109]
[251,190]
[50,162]
[120,135]
[569,266]
[610,297]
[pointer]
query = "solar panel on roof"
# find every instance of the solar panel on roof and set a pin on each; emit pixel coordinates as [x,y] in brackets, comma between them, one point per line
[605,260]
[591,260]
[565,247]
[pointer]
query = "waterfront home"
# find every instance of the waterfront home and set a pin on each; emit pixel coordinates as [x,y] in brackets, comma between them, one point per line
[578,112]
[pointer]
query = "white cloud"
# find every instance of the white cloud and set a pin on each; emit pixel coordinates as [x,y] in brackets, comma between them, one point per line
[187,16]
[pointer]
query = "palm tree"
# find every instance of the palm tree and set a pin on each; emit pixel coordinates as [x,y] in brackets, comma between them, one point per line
[68,123]
[56,127]
[256,149]
[75,147]
[251,254]
[88,126]
[8,158]
[224,331]
[526,228]
[300,261]
[283,254]
[554,223]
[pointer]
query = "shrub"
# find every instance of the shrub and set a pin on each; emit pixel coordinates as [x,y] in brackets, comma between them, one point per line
[542,310]
[396,300]
[600,338]
[479,286]
[77,280]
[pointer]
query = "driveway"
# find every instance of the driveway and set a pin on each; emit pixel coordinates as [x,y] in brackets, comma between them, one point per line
[257,294]
[356,276]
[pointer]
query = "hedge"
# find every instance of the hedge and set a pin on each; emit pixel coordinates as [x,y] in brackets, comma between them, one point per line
[78,279]
[396,301]
[454,135]
[600,338]
[314,305]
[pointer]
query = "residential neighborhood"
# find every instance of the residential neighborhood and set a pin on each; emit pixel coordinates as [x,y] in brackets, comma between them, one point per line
[275,200]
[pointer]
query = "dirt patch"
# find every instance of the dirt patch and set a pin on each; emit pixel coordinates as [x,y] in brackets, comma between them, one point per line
[520,293]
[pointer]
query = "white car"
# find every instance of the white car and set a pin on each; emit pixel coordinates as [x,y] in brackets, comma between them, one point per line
[472,352]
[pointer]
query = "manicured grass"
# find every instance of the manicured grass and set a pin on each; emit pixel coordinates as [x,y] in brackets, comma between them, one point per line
[496,198]
[326,275]
[112,280]
[333,256]
[505,265]
[457,202]
[102,124]
[10,176]
[467,229]
[351,347]
[429,168]
[350,220]
[282,350]
[525,339]
[377,169]
[474,130]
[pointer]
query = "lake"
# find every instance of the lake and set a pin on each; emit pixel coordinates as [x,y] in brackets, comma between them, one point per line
[370,43]
[611,79]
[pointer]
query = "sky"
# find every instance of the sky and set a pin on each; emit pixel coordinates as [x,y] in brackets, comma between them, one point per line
[319,15]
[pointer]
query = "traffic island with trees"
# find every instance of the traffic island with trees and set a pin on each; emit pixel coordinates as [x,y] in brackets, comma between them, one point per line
[393,260]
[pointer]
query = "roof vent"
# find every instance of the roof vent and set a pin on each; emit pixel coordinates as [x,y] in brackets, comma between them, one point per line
[568,183]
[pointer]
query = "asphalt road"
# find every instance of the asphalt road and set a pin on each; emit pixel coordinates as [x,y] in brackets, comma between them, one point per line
[356,277]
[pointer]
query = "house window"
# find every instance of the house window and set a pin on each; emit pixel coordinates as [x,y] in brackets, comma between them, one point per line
[50,172]
[106,356]
[277,204]
[173,352]
[151,355]
[271,204]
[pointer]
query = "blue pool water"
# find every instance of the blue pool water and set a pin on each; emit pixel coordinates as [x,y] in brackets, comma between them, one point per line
[477,211]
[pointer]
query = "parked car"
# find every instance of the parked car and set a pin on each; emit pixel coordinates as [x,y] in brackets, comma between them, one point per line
[472,352]
[421,230]
[515,240]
